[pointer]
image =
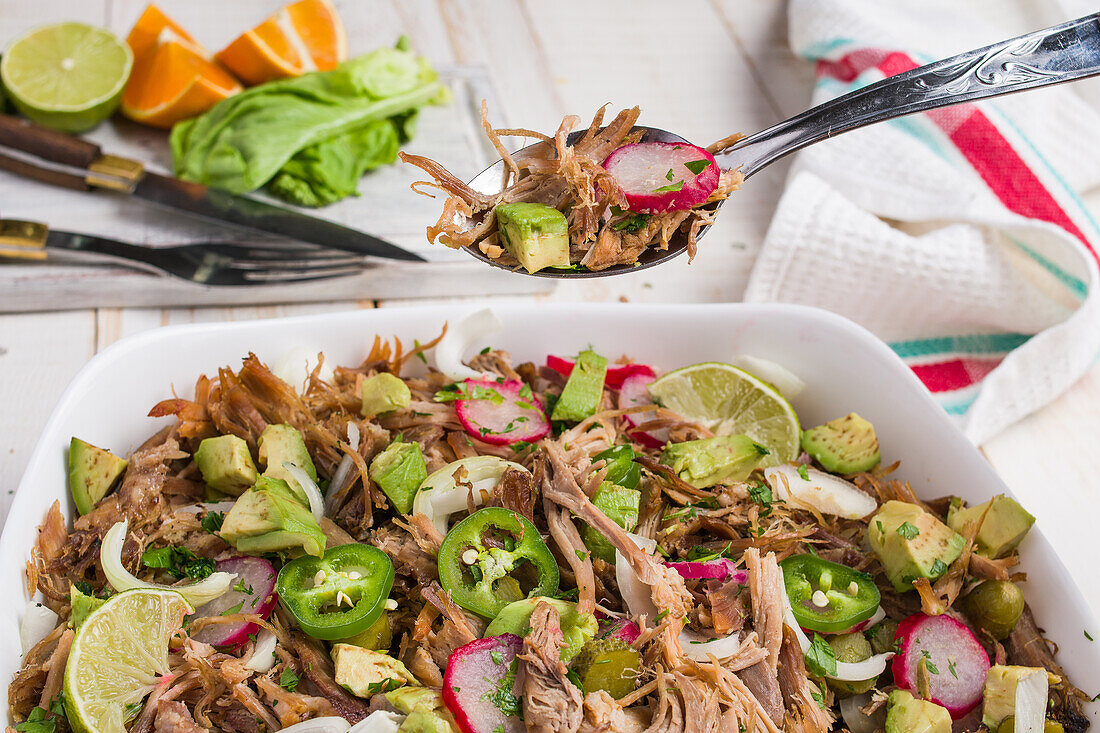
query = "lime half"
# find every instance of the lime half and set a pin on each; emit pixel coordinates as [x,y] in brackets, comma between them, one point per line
[67,76]
[730,401]
[119,654]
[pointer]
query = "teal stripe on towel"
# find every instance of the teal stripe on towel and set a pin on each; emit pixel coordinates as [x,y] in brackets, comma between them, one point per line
[978,343]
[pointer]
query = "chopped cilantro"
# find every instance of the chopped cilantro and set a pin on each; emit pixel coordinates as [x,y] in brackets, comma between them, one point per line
[37,722]
[288,680]
[761,494]
[486,350]
[670,175]
[212,521]
[501,695]
[803,472]
[1087,636]
[496,656]
[927,661]
[575,678]
[820,658]
[908,531]
[939,567]
[697,166]
[179,562]
[951,668]
[881,529]
[670,188]
[420,351]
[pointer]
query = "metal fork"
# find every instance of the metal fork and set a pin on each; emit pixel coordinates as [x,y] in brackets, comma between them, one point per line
[203,263]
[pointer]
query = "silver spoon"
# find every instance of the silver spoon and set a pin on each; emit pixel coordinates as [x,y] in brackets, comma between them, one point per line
[1051,56]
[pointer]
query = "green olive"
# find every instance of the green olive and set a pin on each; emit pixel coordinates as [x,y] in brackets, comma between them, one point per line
[881,636]
[1008,725]
[851,648]
[995,605]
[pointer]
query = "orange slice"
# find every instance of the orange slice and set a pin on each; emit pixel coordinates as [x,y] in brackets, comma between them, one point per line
[174,84]
[302,37]
[146,34]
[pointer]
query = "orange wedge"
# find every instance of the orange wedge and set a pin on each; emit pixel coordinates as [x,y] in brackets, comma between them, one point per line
[174,84]
[303,36]
[145,35]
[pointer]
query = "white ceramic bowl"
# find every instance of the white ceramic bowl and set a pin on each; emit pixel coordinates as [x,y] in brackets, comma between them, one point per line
[845,369]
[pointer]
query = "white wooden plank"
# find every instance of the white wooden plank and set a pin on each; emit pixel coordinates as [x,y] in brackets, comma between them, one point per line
[39,354]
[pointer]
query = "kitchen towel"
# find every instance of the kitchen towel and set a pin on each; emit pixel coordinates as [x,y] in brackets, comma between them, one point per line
[959,235]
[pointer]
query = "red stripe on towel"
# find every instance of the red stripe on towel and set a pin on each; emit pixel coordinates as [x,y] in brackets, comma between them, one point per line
[947,376]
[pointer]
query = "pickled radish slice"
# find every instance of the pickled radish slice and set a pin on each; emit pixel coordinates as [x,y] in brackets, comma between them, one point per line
[955,661]
[501,412]
[660,177]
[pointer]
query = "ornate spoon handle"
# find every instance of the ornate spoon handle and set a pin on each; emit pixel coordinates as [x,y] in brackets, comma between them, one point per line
[1051,56]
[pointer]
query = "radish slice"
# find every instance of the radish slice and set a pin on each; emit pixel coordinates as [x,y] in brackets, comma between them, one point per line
[38,621]
[447,354]
[634,393]
[956,663]
[718,569]
[615,374]
[783,379]
[502,412]
[824,492]
[476,684]
[660,177]
[254,592]
[619,628]
[440,496]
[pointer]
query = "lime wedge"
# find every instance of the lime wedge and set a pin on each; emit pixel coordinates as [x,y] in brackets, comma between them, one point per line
[117,657]
[67,76]
[730,401]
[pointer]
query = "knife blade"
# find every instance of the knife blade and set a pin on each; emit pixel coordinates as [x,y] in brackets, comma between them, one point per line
[36,152]
[249,213]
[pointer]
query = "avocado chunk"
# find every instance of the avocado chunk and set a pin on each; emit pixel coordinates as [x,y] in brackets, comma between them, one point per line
[580,398]
[281,444]
[226,464]
[1005,526]
[399,470]
[621,505]
[424,708]
[269,517]
[1001,685]
[365,672]
[82,607]
[535,234]
[576,628]
[845,445]
[92,473]
[383,393]
[911,543]
[907,714]
[708,462]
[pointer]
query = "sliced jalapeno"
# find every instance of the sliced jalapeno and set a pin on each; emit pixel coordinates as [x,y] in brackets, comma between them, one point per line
[494,557]
[338,595]
[826,596]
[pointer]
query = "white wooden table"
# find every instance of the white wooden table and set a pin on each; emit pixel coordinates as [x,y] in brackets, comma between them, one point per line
[704,69]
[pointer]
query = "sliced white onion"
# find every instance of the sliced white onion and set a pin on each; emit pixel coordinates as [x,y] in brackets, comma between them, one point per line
[637,595]
[780,377]
[316,501]
[1031,702]
[110,556]
[448,352]
[856,720]
[699,647]
[873,621]
[38,621]
[439,496]
[824,492]
[263,653]
[845,671]
[380,721]
[328,724]
[343,469]
[298,363]
[220,506]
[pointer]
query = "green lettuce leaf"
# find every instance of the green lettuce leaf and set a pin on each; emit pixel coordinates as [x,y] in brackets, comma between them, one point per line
[321,130]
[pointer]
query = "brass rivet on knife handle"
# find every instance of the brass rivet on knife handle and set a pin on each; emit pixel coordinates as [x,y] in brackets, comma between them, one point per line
[113,172]
[24,240]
